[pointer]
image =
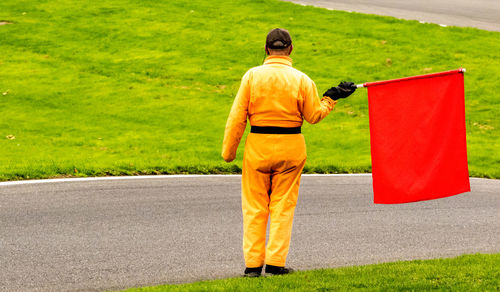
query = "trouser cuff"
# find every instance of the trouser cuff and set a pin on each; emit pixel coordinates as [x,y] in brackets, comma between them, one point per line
[254,265]
[276,263]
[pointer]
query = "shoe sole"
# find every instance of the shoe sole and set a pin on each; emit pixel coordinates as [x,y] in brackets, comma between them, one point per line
[251,275]
[270,274]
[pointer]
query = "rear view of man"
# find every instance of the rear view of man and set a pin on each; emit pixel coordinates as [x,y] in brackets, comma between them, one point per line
[276,98]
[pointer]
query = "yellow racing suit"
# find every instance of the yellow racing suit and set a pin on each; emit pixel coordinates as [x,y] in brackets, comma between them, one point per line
[272,95]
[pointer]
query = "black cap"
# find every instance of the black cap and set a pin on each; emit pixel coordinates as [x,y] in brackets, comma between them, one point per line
[278,38]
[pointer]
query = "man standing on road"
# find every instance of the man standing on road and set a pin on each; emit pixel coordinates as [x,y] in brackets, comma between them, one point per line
[276,98]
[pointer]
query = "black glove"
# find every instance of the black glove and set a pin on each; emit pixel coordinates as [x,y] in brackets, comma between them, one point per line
[342,91]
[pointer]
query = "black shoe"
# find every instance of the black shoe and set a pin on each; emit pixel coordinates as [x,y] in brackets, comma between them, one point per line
[253,272]
[275,270]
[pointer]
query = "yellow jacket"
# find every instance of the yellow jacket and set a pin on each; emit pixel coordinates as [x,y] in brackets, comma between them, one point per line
[273,95]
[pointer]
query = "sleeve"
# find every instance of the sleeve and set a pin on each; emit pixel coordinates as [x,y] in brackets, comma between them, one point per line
[237,120]
[313,109]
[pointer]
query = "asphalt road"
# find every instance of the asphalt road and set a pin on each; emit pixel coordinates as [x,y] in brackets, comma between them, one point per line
[483,14]
[108,234]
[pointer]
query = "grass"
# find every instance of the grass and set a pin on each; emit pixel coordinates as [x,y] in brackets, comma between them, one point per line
[144,87]
[477,272]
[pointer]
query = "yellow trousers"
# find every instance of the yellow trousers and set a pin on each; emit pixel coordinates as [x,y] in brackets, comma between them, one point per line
[272,166]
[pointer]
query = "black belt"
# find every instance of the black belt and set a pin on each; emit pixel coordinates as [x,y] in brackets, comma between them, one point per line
[274,130]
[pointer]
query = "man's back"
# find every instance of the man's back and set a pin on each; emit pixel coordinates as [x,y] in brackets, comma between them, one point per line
[275,94]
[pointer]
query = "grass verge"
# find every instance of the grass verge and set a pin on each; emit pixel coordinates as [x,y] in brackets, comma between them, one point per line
[477,272]
[122,87]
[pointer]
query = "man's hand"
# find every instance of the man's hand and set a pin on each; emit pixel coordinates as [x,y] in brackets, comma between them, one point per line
[342,91]
[228,159]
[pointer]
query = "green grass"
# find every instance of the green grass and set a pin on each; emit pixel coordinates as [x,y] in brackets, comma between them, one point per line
[477,272]
[145,87]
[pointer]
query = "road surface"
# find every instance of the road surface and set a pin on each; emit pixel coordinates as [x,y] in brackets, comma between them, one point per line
[483,14]
[108,234]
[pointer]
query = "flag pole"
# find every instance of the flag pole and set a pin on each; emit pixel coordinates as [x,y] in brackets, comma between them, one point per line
[462,70]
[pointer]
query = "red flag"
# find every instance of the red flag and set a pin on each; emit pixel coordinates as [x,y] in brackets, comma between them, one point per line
[417,136]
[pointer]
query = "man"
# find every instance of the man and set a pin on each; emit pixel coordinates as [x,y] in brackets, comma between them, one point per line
[276,98]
